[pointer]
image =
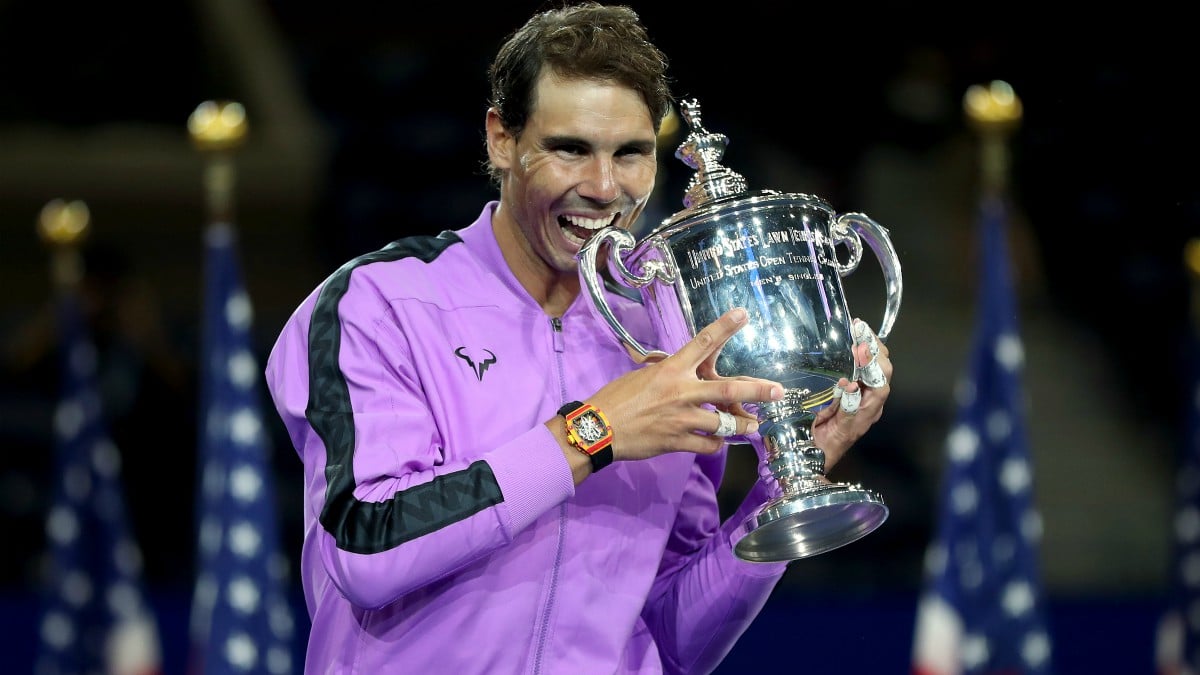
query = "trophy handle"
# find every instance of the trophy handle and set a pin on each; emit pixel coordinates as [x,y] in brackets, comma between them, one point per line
[848,228]
[589,272]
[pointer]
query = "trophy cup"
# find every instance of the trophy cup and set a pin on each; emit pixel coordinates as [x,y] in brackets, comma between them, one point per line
[775,254]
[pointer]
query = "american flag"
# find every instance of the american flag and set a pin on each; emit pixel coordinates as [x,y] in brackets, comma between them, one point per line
[982,609]
[1177,644]
[95,614]
[242,621]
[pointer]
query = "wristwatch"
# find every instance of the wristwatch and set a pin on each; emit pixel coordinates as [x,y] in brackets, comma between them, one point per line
[588,429]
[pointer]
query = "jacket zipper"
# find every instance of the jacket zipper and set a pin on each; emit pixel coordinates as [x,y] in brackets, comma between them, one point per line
[552,596]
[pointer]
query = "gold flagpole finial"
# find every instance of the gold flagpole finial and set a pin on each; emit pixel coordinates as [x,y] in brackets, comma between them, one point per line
[218,125]
[1191,262]
[63,226]
[217,128]
[994,111]
[1191,257]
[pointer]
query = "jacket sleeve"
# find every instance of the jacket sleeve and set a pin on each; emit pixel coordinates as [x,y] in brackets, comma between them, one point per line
[705,597]
[387,510]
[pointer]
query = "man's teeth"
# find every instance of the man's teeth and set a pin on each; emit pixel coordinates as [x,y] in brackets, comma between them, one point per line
[589,223]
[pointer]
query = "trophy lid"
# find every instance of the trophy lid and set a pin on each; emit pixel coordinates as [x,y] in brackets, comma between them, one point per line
[703,151]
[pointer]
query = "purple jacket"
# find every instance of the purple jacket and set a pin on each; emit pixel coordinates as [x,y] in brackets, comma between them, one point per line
[443,531]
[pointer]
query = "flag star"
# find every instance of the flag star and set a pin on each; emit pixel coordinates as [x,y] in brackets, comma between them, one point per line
[58,630]
[1035,649]
[1003,549]
[1015,475]
[1009,352]
[281,621]
[1187,525]
[124,600]
[106,458]
[213,480]
[68,419]
[204,593]
[214,423]
[243,369]
[243,595]
[210,535]
[1031,525]
[1017,598]
[974,650]
[62,526]
[999,426]
[127,556]
[964,497]
[279,660]
[245,483]
[238,311]
[245,540]
[240,651]
[963,443]
[76,588]
[244,427]
[970,574]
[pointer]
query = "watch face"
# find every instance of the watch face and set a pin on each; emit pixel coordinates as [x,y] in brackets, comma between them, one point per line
[590,428]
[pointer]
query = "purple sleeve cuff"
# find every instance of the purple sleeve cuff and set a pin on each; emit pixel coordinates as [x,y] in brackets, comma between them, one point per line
[533,475]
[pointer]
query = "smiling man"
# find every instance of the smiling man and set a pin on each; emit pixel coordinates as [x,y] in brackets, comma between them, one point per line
[492,484]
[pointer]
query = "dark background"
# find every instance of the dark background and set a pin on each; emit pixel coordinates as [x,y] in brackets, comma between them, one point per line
[366,125]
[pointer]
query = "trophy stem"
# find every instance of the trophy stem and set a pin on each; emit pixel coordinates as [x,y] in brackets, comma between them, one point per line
[811,515]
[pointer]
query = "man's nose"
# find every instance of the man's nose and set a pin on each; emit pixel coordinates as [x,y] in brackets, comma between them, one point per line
[600,183]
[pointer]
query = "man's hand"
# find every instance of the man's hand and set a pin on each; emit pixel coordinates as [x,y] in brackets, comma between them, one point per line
[668,405]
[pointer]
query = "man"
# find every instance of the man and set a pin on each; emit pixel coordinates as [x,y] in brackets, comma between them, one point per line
[452,524]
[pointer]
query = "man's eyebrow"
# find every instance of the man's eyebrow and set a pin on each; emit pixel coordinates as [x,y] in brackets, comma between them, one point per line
[644,146]
[564,140]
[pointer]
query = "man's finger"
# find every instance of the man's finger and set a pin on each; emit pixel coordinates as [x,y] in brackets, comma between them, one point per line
[713,337]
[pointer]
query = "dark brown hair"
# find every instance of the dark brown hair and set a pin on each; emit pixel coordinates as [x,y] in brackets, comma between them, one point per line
[579,40]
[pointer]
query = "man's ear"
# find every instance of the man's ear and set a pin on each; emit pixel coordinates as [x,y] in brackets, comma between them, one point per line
[500,143]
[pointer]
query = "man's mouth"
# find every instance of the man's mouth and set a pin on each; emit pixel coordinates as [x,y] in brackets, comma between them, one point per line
[580,229]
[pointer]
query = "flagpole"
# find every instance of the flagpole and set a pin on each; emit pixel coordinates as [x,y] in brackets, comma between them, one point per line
[994,112]
[63,226]
[217,129]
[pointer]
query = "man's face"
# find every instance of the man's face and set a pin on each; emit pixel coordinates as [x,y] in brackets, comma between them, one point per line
[586,159]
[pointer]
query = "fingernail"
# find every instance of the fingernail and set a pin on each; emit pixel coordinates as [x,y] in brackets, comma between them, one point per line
[738,315]
[752,427]
[838,391]
[776,393]
[860,331]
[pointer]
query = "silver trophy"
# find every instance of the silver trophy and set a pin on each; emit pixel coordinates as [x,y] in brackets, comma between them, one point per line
[775,254]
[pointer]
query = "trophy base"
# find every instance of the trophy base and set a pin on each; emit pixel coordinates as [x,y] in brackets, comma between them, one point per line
[810,523]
